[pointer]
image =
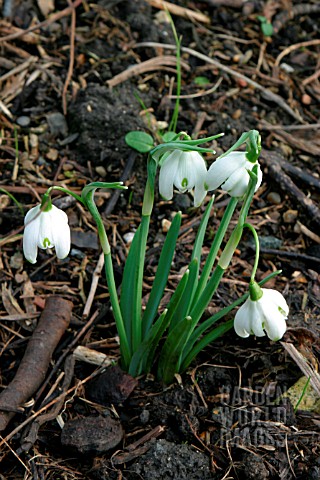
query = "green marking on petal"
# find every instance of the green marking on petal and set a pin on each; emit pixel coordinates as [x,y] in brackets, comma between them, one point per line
[184,183]
[282,311]
[46,243]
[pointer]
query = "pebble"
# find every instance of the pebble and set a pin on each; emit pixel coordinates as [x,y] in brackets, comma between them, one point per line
[237,114]
[101,171]
[290,216]
[165,224]
[23,121]
[128,237]
[306,99]
[274,198]
[57,124]
[52,154]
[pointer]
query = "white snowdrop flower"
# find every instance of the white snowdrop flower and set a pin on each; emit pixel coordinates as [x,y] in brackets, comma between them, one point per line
[231,173]
[46,229]
[185,171]
[267,314]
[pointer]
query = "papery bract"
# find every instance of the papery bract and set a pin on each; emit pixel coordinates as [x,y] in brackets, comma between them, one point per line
[231,173]
[185,171]
[268,314]
[46,229]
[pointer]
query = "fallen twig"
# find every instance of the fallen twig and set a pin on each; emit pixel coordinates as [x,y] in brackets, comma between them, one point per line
[156,63]
[179,11]
[32,370]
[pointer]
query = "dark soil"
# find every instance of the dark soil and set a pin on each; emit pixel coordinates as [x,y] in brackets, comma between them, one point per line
[226,417]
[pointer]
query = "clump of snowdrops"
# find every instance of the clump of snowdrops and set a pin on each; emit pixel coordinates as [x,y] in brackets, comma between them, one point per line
[168,340]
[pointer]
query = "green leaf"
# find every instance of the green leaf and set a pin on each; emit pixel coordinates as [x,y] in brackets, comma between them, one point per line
[129,286]
[168,136]
[201,81]
[197,248]
[183,308]
[267,29]
[169,361]
[209,338]
[140,141]
[162,273]
[143,358]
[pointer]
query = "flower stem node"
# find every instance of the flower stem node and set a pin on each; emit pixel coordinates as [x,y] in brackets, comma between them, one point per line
[46,229]
[265,310]
[186,171]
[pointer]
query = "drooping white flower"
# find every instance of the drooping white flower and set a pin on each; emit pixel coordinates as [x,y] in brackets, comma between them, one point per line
[46,229]
[231,173]
[267,314]
[185,171]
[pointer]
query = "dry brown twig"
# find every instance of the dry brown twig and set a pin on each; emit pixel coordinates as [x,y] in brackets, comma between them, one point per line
[32,370]
[156,63]
[179,11]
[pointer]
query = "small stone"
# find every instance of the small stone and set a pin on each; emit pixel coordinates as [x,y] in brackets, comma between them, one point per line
[290,216]
[128,237]
[101,171]
[306,99]
[237,114]
[16,261]
[286,68]
[165,224]
[92,434]
[52,154]
[144,416]
[57,124]
[242,83]
[4,201]
[23,121]
[67,167]
[274,198]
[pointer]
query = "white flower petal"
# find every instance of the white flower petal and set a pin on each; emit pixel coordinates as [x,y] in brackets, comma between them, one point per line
[256,319]
[259,177]
[223,167]
[237,183]
[30,237]
[273,296]
[32,214]
[45,237]
[167,174]
[185,176]
[46,229]
[268,314]
[61,237]
[241,321]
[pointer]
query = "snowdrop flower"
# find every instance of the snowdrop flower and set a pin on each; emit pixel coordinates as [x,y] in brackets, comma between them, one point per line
[268,313]
[230,172]
[185,171]
[46,229]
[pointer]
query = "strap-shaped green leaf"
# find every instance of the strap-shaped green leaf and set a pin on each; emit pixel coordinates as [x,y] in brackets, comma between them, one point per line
[162,274]
[129,285]
[142,359]
[169,362]
[210,337]
[183,308]
[196,252]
